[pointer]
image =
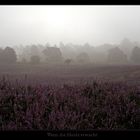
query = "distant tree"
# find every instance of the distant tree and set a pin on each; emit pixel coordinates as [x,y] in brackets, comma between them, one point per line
[1,56]
[8,56]
[48,45]
[116,56]
[34,50]
[135,55]
[87,45]
[53,54]
[61,45]
[83,58]
[68,50]
[35,59]
[126,45]
[1,50]
[68,61]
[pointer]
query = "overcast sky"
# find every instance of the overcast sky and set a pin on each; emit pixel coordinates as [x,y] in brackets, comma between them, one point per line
[77,24]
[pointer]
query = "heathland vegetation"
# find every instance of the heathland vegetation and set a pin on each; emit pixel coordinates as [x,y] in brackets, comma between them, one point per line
[70,87]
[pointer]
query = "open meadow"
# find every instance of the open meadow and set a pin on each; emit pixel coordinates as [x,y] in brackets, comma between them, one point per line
[69,97]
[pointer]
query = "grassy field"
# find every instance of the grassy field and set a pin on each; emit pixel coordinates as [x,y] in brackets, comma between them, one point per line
[43,74]
[69,97]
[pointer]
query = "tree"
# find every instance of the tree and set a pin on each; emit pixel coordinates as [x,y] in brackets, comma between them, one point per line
[35,59]
[61,45]
[126,45]
[34,50]
[1,55]
[68,50]
[53,54]
[8,56]
[116,56]
[135,55]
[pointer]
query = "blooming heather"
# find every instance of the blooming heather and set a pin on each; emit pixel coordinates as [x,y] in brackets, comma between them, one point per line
[85,106]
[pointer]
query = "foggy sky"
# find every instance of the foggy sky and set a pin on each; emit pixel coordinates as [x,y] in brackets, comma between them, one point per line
[77,24]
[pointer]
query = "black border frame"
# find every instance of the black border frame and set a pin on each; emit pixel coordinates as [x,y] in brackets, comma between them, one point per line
[71,134]
[70,2]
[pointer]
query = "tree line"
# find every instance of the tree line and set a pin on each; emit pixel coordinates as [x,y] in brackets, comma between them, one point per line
[56,55]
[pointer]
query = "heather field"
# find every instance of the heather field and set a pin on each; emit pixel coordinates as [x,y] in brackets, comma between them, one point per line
[69,97]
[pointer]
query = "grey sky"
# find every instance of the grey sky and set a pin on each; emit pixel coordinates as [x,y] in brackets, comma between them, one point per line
[77,24]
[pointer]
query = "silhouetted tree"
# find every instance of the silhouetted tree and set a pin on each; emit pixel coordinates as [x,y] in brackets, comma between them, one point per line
[53,54]
[116,56]
[135,55]
[35,59]
[8,56]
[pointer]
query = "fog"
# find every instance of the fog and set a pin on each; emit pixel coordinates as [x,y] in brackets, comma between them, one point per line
[70,34]
[69,68]
[76,24]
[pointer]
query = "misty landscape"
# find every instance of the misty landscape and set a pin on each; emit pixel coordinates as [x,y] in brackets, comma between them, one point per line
[69,68]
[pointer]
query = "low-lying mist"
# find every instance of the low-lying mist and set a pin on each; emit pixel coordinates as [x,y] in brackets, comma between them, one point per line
[125,52]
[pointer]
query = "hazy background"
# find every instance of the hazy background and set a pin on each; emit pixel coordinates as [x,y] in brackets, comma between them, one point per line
[77,24]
